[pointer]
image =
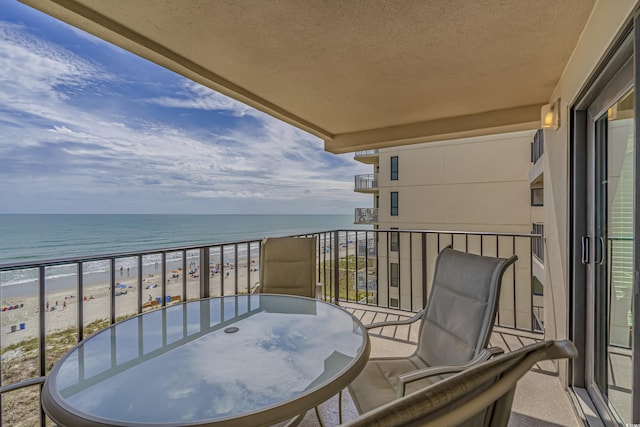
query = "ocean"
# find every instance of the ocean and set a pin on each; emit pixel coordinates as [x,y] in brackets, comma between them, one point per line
[39,237]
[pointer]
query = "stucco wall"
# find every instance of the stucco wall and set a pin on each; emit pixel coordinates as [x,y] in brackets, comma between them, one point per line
[472,184]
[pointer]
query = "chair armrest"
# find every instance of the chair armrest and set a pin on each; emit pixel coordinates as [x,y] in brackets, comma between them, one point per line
[396,322]
[419,374]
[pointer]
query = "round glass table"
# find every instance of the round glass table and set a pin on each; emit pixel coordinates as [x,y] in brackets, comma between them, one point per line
[236,360]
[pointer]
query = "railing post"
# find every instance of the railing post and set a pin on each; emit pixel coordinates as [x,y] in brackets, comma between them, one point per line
[80,305]
[533,317]
[163,273]
[346,266]
[42,325]
[41,339]
[356,273]
[235,270]
[140,279]
[410,271]
[223,270]
[335,247]
[424,269]
[205,290]
[515,287]
[366,267]
[184,275]
[112,293]
[377,241]
[248,267]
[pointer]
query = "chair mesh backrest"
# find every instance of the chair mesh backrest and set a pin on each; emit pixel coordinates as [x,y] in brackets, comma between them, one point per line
[288,266]
[479,396]
[461,308]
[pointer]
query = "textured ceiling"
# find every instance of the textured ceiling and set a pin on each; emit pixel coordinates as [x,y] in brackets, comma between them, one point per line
[356,73]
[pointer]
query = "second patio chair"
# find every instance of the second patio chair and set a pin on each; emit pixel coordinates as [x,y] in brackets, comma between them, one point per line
[454,332]
[288,266]
[481,396]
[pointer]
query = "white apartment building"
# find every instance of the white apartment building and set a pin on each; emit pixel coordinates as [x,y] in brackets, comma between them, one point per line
[479,184]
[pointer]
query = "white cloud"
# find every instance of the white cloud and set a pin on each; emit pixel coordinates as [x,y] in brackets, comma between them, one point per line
[35,68]
[103,147]
[198,97]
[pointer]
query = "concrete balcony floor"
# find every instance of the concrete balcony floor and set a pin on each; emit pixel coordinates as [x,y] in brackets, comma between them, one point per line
[540,399]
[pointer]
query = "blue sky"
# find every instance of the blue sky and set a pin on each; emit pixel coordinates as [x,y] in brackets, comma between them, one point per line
[87,127]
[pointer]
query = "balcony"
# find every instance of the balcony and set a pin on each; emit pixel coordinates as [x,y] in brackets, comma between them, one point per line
[366,183]
[353,266]
[369,157]
[366,216]
[538,242]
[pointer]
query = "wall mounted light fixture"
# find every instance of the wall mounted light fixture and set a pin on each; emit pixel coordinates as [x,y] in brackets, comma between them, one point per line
[550,115]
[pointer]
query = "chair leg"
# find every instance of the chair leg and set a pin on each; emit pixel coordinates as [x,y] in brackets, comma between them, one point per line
[319,417]
[339,411]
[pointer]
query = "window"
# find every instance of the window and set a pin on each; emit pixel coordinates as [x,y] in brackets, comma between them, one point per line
[537,197]
[395,239]
[395,273]
[394,168]
[394,203]
[394,303]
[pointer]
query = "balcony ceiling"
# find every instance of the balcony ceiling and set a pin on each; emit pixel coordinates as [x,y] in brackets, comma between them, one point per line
[358,74]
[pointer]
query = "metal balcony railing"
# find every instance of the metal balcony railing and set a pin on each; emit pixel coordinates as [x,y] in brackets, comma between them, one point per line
[366,216]
[537,245]
[365,153]
[537,146]
[366,183]
[55,304]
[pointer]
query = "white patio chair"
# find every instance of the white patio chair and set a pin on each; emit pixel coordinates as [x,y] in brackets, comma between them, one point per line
[454,332]
[480,396]
[288,266]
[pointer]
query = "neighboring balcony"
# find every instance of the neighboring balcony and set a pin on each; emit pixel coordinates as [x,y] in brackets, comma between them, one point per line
[366,183]
[537,146]
[366,216]
[369,157]
[538,241]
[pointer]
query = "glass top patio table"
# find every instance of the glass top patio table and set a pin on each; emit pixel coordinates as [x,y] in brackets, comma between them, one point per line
[234,360]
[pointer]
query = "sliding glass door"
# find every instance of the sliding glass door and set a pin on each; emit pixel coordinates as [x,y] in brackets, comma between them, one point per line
[608,246]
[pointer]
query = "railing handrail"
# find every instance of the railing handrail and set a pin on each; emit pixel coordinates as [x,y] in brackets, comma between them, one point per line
[458,232]
[367,175]
[130,254]
[365,153]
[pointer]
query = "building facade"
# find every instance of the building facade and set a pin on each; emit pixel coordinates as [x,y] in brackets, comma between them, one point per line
[478,184]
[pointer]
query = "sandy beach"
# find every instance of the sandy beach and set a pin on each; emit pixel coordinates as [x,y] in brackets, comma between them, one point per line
[21,321]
